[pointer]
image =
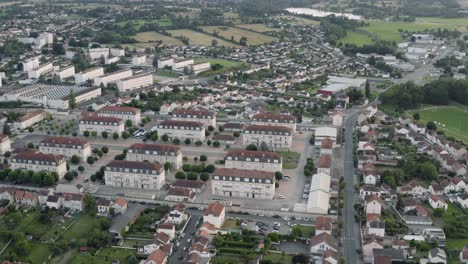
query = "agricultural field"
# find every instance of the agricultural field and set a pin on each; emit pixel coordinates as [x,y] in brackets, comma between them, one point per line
[231,16]
[165,22]
[390,31]
[151,36]
[258,27]
[229,32]
[294,20]
[452,119]
[197,38]
[223,62]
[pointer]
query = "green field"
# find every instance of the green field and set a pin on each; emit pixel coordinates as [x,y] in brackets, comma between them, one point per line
[277,258]
[294,20]
[223,62]
[236,34]
[197,38]
[390,31]
[454,117]
[258,27]
[139,22]
[151,37]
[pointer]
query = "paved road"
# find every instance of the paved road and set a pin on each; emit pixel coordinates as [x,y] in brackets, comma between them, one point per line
[351,236]
[183,242]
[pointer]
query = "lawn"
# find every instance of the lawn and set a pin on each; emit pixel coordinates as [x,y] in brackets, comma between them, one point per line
[258,27]
[230,224]
[226,259]
[456,243]
[308,231]
[165,22]
[197,38]
[78,231]
[290,159]
[151,36]
[277,258]
[357,38]
[236,34]
[452,119]
[38,253]
[223,62]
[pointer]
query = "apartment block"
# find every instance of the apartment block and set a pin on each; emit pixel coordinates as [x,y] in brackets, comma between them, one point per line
[97,53]
[39,162]
[208,118]
[182,129]
[156,153]
[180,64]
[5,144]
[112,77]
[89,74]
[139,59]
[30,64]
[40,70]
[251,184]
[135,82]
[67,147]
[134,174]
[284,120]
[101,124]
[253,160]
[66,72]
[276,137]
[117,52]
[123,112]
[29,119]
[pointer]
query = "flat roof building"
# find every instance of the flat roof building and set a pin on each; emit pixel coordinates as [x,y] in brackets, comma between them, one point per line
[251,184]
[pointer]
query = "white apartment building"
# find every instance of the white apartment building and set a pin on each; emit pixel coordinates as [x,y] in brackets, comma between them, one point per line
[30,64]
[67,147]
[117,52]
[66,72]
[139,59]
[182,129]
[251,184]
[268,119]
[156,153]
[29,119]
[273,136]
[123,112]
[39,162]
[109,60]
[112,77]
[133,174]
[180,64]
[1,84]
[253,160]
[163,62]
[101,124]
[89,74]
[5,144]
[201,67]
[97,53]
[208,118]
[135,82]
[41,70]
[47,37]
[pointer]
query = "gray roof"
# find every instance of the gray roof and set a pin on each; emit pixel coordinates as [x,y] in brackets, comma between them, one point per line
[395,254]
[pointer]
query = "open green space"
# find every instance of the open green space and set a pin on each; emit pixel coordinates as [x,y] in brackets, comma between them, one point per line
[103,256]
[452,119]
[456,243]
[165,22]
[258,27]
[295,20]
[78,232]
[277,258]
[290,159]
[198,38]
[226,259]
[253,38]
[151,37]
[223,62]
[390,31]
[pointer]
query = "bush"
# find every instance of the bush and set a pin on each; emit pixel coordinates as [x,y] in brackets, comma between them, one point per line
[236,134]
[176,141]
[180,175]
[278,175]
[203,158]
[204,176]
[192,176]
[216,143]
[187,141]
[198,143]
[251,147]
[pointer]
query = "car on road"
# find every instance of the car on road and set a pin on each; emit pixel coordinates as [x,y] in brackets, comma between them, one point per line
[182,235]
[280,196]
[189,240]
[305,196]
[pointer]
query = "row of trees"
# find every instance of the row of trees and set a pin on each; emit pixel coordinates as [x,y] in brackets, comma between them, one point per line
[440,92]
[42,178]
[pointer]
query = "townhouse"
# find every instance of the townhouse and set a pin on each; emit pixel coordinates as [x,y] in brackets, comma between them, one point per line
[437,202]
[5,144]
[276,137]
[100,124]
[177,215]
[73,201]
[156,153]
[67,147]
[134,174]
[253,160]
[284,120]
[39,162]
[325,164]
[123,112]
[208,118]
[251,184]
[182,129]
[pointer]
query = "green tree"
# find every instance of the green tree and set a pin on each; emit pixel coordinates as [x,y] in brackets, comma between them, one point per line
[176,141]
[210,168]
[192,176]
[167,165]
[278,175]
[68,176]
[180,175]
[416,116]
[203,158]
[72,99]
[297,231]
[251,147]
[439,212]
[431,126]
[115,135]
[198,143]
[104,134]
[367,89]
[216,143]
[105,150]
[89,204]
[204,176]
[187,141]
[75,159]
[165,137]
[81,169]
[90,160]
[128,123]
[86,133]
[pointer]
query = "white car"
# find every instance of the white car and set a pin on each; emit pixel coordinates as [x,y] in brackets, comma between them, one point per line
[305,196]
[280,196]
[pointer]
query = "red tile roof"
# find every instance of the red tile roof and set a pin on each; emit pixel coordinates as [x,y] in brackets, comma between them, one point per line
[325,161]
[326,143]
[64,141]
[214,209]
[158,256]
[268,128]
[39,157]
[30,115]
[155,147]
[244,173]
[323,223]
[119,109]
[125,164]
[177,123]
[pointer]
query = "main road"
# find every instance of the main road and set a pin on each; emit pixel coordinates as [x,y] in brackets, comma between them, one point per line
[352,234]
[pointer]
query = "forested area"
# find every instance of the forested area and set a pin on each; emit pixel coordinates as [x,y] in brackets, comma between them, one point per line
[440,92]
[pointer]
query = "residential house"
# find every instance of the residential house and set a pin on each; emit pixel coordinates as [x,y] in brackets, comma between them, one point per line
[437,255]
[376,228]
[323,224]
[437,202]
[321,243]
[215,214]
[119,206]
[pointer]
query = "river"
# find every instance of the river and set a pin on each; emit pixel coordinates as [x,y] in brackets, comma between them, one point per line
[320,13]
